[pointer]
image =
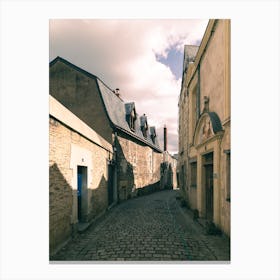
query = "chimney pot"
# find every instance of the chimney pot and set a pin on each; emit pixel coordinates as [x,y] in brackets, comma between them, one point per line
[117,92]
[164,138]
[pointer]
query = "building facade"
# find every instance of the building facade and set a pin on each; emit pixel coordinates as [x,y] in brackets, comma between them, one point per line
[80,183]
[204,126]
[168,172]
[137,154]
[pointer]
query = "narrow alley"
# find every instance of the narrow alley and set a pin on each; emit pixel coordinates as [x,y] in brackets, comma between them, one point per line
[148,228]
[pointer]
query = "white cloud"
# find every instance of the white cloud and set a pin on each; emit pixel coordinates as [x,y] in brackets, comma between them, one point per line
[123,54]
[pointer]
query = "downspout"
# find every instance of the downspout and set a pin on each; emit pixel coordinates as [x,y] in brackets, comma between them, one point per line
[115,157]
[198,93]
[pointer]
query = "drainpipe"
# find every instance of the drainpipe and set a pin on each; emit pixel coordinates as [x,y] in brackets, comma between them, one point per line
[116,193]
[198,93]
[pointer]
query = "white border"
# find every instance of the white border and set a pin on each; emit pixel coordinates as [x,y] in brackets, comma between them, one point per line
[24,138]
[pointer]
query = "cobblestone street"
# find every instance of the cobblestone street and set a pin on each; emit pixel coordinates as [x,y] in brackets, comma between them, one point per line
[148,228]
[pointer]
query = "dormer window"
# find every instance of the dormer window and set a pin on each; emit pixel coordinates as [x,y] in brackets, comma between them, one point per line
[132,120]
[131,115]
[144,130]
[153,133]
[144,125]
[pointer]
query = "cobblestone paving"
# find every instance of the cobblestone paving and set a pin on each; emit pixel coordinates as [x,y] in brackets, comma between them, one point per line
[148,228]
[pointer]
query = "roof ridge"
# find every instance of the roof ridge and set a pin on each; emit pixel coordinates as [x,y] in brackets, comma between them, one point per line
[79,69]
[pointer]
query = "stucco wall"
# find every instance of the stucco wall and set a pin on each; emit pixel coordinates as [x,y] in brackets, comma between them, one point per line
[212,72]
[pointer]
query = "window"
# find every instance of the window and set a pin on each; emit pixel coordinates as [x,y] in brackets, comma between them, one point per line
[193,169]
[132,120]
[153,133]
[144,130]
[130,115]
[144,125]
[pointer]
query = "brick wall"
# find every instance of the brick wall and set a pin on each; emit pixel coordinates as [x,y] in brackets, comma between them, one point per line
[63,163]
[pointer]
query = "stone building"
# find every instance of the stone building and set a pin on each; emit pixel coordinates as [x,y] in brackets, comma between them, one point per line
[204,126]
[168,171]
[168,168]
[79,174]
[135,166]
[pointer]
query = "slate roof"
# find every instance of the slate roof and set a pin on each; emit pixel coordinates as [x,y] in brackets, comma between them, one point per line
[215,121]
[116,109]
[190,52]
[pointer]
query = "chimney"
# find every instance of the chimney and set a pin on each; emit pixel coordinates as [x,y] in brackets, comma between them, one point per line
[117,92]
[165,138]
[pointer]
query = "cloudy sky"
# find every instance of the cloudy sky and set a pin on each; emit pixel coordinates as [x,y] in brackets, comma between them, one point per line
[143,58]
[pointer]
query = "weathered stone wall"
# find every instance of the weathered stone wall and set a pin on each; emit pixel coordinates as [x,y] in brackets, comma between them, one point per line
[60,190]
[168,178]
[210,73]
[138,166]
[67,150]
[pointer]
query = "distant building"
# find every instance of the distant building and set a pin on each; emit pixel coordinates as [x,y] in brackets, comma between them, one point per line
[204,126]
[168,172]
[168,167]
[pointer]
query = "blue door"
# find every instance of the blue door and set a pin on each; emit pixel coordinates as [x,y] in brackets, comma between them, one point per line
[79,194]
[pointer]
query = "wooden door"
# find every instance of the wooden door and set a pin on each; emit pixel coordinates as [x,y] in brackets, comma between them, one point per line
[209,191]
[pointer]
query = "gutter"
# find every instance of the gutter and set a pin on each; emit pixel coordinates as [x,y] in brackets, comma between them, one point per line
[138,138]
